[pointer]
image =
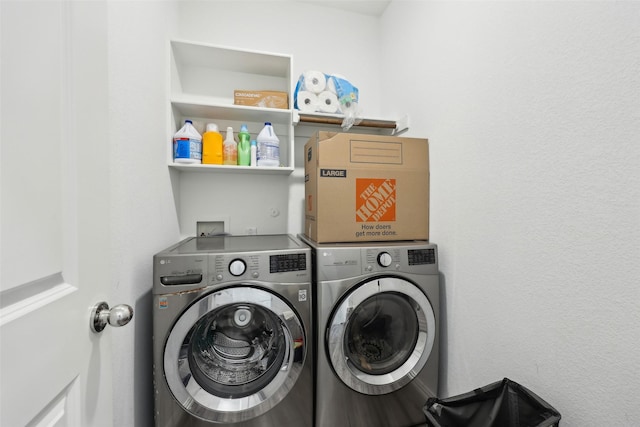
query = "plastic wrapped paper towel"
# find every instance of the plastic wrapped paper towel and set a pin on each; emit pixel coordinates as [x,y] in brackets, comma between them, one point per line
[346,93]
[306,101]
[324,87]
[331,85]
[325,93]
[328,102]
[314,81]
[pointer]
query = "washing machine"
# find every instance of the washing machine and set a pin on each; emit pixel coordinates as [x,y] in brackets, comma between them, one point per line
[377,341]
[232,321]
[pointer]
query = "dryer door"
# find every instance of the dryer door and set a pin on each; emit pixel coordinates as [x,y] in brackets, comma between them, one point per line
[381,335]
[234,354]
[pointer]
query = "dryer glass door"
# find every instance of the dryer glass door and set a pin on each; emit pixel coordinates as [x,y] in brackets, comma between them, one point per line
[234,354]
[381,335]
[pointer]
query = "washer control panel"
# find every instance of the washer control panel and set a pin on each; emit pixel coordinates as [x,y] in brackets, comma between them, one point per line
[258,266]
[195,263]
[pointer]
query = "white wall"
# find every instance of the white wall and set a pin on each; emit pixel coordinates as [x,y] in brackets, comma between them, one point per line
[144,215]
[532,110]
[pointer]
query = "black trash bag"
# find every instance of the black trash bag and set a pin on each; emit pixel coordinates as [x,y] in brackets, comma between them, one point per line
[501,404]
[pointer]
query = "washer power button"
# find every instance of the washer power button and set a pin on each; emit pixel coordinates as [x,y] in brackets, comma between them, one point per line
[237,267]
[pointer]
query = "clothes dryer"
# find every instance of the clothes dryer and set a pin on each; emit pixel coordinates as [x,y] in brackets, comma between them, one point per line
[232,321]
[377,343]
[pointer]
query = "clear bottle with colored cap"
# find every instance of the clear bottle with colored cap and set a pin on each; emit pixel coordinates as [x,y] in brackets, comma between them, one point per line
[244,147]
[254,153]
[230,149]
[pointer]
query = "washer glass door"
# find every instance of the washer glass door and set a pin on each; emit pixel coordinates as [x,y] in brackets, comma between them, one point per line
[234,354]
[381,335]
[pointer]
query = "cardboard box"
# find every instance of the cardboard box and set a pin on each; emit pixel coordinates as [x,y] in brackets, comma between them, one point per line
[261,98]
[366,188]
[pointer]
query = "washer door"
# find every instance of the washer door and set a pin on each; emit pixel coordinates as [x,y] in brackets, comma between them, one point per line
[381,335]
[234,354]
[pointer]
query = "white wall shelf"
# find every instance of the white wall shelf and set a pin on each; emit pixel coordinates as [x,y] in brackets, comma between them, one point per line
[192,106]
[232,169]
[203,78]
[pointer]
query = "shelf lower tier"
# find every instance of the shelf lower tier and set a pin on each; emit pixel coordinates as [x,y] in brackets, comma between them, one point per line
[232,169]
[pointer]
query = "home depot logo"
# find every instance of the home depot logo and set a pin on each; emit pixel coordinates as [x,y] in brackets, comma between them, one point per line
[375,200]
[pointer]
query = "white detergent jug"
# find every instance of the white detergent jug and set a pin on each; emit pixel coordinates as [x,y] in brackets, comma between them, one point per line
[268,147]
[187,144]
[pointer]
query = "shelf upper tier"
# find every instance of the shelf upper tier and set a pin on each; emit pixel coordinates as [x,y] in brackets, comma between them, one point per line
[200,106]
[231,59]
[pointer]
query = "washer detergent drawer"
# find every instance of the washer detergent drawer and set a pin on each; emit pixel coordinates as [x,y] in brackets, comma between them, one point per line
[184,279]
[380,335]
[234,354]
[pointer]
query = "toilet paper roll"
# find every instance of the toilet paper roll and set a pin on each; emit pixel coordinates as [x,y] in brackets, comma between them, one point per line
[307,101]
[328,102]
[314,81]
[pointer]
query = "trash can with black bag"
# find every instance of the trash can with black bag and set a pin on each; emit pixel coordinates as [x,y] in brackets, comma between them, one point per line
[504,403]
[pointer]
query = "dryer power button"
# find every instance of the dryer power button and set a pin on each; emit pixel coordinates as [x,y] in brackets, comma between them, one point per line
[384,259]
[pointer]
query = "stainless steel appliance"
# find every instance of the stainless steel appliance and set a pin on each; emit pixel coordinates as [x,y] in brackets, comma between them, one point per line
[232,321]
[377,323]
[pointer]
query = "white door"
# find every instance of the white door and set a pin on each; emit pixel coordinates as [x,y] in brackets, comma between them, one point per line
[54,214]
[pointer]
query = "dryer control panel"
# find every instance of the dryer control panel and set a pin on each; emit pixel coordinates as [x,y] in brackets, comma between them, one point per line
[420,260]
[334,262]
[421,256]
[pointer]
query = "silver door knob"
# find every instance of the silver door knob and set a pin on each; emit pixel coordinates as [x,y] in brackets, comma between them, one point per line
[101,316]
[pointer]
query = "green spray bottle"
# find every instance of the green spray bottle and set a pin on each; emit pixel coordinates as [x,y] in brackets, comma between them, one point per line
[244,147]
